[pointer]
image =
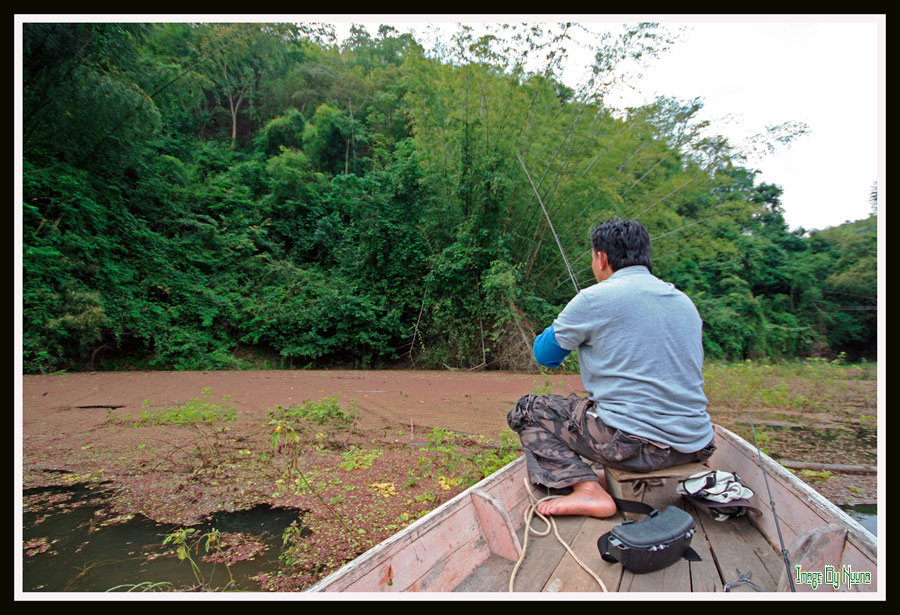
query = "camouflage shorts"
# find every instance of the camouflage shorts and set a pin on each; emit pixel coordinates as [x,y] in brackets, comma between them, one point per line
[558,435]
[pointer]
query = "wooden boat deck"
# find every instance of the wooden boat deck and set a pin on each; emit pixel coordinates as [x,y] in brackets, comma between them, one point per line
[472,542]
[725,548]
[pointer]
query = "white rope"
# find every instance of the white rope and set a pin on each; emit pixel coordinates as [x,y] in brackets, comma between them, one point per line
[551,524]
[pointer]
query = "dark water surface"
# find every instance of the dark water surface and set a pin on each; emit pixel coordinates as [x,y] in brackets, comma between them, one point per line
[864,514]
[90,551]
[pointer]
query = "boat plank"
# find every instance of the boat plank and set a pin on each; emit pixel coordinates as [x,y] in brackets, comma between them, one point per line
[569,576]
[448,573]
[543,553]
[737,545]
[410,559]
[491,576]
[704,574]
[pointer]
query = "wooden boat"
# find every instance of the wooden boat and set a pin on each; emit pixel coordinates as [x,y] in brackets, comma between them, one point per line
[474,542]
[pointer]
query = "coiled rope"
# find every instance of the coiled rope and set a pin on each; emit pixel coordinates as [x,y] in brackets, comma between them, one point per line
[530,512]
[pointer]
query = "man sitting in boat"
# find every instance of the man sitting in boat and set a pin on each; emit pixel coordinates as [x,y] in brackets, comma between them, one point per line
[640,352]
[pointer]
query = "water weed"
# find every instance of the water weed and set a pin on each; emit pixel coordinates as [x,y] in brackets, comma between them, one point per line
[453,465]
[324,419]
[357,458]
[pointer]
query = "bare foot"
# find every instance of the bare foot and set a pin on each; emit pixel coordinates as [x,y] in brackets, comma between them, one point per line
[587,498]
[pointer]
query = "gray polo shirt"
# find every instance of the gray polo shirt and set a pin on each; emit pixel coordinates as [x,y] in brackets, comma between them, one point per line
[640,350]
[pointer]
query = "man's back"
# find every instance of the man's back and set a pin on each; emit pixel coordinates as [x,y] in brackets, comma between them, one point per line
[640,351]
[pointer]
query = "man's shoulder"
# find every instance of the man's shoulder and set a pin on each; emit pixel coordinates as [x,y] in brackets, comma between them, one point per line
[632,280]
[635,289]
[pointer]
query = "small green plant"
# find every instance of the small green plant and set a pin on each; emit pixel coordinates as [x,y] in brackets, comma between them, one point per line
[323,418]
[506,452]
[570,364]
[401,521]
[325,411]
[291,445]
[542,389]
[291,539]
[184,540]
[452,466]
[198,410]
[426,497]
[447,459]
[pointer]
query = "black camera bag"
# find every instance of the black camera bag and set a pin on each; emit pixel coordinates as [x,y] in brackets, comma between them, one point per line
[652,543]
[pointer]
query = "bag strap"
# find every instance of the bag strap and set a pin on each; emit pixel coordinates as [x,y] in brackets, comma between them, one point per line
[634,507]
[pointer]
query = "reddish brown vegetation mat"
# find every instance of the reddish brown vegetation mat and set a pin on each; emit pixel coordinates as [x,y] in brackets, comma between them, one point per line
[74,430]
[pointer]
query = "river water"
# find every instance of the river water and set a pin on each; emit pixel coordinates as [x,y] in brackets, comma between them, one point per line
[73,544]
[864,514]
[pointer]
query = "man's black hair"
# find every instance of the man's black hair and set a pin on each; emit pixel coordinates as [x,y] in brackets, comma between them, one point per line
[625,242]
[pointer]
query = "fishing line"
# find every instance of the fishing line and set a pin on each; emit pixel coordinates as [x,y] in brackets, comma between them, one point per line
[680,228]
[555,236]
[787,564]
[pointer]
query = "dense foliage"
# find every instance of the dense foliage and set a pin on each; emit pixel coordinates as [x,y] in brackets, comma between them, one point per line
[196,194]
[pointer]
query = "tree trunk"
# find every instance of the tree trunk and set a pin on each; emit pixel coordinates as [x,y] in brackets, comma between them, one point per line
[833,467]
[234,108]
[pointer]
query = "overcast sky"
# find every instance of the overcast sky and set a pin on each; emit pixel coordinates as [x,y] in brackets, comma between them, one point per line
[826,74]
[756,71]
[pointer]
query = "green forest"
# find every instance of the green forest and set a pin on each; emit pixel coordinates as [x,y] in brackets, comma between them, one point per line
[223,196]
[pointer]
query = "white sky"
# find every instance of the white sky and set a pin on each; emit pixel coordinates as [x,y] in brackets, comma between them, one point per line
[757,71]
[829,75]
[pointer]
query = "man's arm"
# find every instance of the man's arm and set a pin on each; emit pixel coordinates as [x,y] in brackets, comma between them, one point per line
[547,351]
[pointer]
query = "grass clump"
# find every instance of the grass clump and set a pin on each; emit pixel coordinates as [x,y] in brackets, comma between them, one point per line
[816,475]
[198,410]
[326,411]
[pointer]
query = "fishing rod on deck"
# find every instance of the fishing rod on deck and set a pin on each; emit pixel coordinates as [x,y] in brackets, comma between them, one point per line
[762,467]
[552,230]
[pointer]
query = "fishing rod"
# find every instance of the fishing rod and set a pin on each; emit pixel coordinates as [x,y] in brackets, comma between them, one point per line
[787,564]
[555,236]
